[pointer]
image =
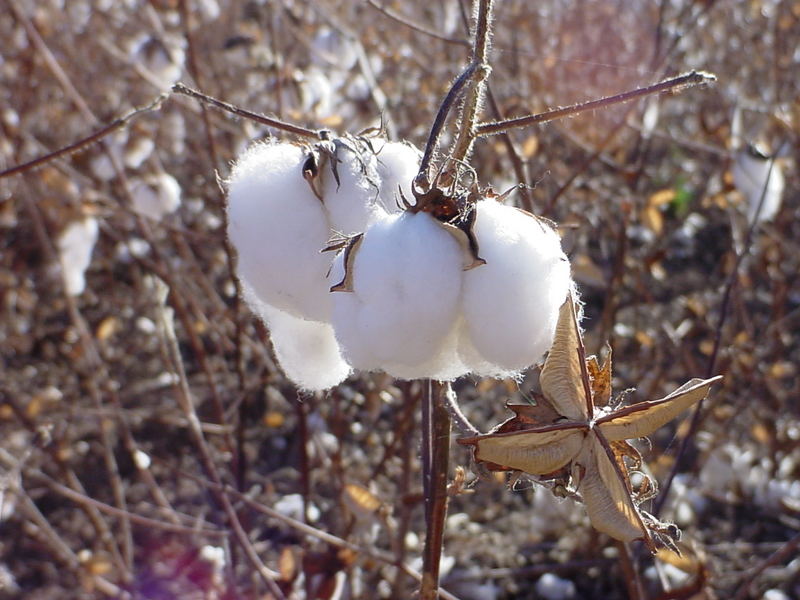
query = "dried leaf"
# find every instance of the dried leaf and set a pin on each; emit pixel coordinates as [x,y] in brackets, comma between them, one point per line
[361,502]
[601,379]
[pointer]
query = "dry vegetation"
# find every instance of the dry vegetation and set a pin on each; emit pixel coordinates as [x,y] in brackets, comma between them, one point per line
[92,385]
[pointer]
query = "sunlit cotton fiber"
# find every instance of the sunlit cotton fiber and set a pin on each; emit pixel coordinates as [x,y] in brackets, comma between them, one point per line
[398,165]
[307,351]
[351,186]
[755,176]
[406,283]
[511,303]
[279,227]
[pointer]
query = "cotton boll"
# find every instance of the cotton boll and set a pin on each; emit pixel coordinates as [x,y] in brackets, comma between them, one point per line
[138,151]
[398,165]
[511,303]
[279,227]
[156,196]
[406,282]
[307,351]
[75,246]
[553,587]
[352,201]
[754,175]
[445,365]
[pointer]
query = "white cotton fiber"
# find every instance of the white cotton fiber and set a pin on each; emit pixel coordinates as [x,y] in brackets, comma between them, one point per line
[279,227]
[398,165]
[156,196]
[406,278]
[756,175]
[307,351]
[511,303]
[75,246]
[352,201]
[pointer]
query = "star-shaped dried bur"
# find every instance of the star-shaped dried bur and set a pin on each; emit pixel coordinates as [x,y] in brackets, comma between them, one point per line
[575,432]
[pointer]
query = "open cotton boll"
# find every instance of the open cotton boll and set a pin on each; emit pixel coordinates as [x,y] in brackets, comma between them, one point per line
[511,303]
[156,196]
[398,165]
[352,201]
[445,365]
[75,246]
[754,175]
[307,351]
[406,283]
[279,227]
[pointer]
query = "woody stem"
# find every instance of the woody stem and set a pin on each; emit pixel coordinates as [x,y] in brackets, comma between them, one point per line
[435,458]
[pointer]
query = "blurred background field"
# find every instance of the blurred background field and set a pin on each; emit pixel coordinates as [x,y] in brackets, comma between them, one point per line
[105,490]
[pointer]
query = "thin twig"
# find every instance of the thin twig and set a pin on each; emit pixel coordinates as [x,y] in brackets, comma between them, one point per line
[630,572]
[309,530]
[416,26]
[87,141]
[789,549]
[187,405]
[675,84]
[180,88]
[82,499]
[733,278]
[459,419]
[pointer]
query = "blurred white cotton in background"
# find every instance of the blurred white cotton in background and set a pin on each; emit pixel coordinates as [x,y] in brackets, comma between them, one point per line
[75,245]
[553,587]
[279,227]
[156,196]
[161,56]
[138,151]
[756,174]
[511,303]
[406,281]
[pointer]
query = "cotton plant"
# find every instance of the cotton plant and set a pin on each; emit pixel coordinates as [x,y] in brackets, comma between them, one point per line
[336,238]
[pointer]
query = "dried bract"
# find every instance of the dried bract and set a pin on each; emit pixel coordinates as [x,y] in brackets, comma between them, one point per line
[586,437]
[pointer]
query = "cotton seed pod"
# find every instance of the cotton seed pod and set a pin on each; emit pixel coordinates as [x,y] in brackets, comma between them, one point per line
[511,303]
[278,227]
[405,278]
[307,351]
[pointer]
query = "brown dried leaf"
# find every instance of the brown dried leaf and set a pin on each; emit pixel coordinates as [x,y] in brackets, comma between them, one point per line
[361,502]
[601,379]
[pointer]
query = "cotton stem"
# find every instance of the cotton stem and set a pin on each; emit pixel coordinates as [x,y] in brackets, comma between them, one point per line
[436,456]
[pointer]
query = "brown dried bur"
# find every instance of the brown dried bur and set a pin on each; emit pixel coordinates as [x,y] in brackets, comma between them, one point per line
[585,436]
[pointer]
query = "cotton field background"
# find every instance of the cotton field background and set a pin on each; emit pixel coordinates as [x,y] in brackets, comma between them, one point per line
[150,445]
